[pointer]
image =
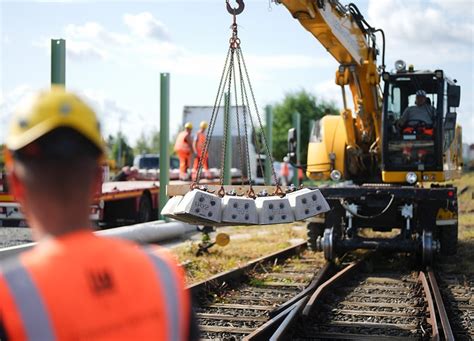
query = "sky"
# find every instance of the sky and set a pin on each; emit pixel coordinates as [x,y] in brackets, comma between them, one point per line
[116,51]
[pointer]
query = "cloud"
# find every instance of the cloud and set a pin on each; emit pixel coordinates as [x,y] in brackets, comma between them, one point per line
[429,26]
[11,102]
[145,25]
[92,31]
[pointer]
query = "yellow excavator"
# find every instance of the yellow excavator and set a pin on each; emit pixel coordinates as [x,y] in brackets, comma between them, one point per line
[390,151]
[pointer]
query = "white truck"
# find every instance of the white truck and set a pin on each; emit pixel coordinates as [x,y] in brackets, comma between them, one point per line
[197,114]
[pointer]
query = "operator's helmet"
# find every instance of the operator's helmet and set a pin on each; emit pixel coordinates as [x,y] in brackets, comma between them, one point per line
[188,125]
[286,159]
[421,93]
[203,125]
[51,110]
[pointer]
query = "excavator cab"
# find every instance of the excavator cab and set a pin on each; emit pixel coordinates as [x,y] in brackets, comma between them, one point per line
[419,120]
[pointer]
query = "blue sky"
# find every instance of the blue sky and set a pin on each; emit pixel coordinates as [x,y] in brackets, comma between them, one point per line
[116,51]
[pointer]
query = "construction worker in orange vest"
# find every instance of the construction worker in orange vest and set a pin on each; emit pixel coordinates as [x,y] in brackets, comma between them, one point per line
[183,147]
[198,147]
[73,284]
[285,172]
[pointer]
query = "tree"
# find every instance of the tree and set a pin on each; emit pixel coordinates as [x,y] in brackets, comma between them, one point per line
[148,143]
[310,108]
[120,146]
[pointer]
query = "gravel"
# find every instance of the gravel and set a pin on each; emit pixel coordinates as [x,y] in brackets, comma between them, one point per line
[11,236]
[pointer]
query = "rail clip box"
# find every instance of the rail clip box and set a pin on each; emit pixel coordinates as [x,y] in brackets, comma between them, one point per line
[307,203]
[239,210]
[274,210]
[201,205]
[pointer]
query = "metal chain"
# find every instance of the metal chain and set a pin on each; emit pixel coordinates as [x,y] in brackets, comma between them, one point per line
[214,115]
[269,154]
[226,119]
[244,108]
[237,119]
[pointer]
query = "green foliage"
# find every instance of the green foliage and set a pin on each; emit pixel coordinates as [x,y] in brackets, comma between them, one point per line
[148,143]
[118,145]
[310,107]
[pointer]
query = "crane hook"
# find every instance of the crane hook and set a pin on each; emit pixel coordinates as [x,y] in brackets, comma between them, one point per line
[237,10]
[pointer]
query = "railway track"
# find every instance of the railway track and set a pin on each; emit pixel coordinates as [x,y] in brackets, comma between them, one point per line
[458,293]
[234,305]
[361,298]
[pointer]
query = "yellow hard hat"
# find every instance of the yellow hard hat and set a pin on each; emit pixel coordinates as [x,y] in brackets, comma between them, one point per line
[203,125]
[188,125]
[50,110]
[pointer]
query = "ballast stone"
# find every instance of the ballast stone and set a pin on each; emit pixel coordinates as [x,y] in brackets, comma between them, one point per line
[307,203]
[239,210]
[201,205]
[273,210]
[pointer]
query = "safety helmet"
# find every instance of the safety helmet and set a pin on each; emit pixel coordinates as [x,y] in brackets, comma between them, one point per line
[203,125]
[53,109]
[421,93]
[188,125]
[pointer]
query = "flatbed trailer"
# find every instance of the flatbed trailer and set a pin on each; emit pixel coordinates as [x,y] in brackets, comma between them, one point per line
[119,203]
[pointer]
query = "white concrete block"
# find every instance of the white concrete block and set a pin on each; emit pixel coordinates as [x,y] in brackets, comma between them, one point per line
[239,210]
[201,205]
[307,203]
[273,210]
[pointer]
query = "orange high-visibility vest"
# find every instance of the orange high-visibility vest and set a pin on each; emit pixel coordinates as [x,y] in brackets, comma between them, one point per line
[81,286]
[285,170]
[200,142]
[181,144]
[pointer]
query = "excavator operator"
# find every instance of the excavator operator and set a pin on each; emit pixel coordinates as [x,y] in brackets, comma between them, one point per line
[419,115]
[73,284]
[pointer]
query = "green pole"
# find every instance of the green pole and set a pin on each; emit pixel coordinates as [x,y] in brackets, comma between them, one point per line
[297,126]
[268,135]
[228,150]
[164,138]
[58,62]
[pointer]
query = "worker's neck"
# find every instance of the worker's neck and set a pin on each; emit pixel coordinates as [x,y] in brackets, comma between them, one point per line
[58,226]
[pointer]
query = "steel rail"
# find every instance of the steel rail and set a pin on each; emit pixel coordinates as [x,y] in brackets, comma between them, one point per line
[284,315]
[234,274]
[443,315]
[429,299]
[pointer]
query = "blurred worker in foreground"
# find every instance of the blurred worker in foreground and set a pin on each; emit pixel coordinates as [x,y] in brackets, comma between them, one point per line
[184,149]
[74,284]
[198,147]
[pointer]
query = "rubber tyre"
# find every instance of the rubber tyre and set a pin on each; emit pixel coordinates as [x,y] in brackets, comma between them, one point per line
[145,210]
[448,238]
[314,230]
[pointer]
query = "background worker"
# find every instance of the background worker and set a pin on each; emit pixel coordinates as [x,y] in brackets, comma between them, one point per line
[74,284]
[285,171]
[198,147]
[183,147]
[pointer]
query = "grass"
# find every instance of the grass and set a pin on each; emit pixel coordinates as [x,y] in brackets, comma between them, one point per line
[247,243]
[463,261]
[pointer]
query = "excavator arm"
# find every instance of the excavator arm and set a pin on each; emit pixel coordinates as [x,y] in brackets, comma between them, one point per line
[351,41]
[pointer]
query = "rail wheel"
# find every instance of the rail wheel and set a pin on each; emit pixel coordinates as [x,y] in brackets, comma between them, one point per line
[327,244]
[315,230]
[428,247]
[448,238]
[145,209]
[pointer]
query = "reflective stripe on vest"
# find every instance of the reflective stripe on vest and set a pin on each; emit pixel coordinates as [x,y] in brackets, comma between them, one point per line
[29,302]
[171,290]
